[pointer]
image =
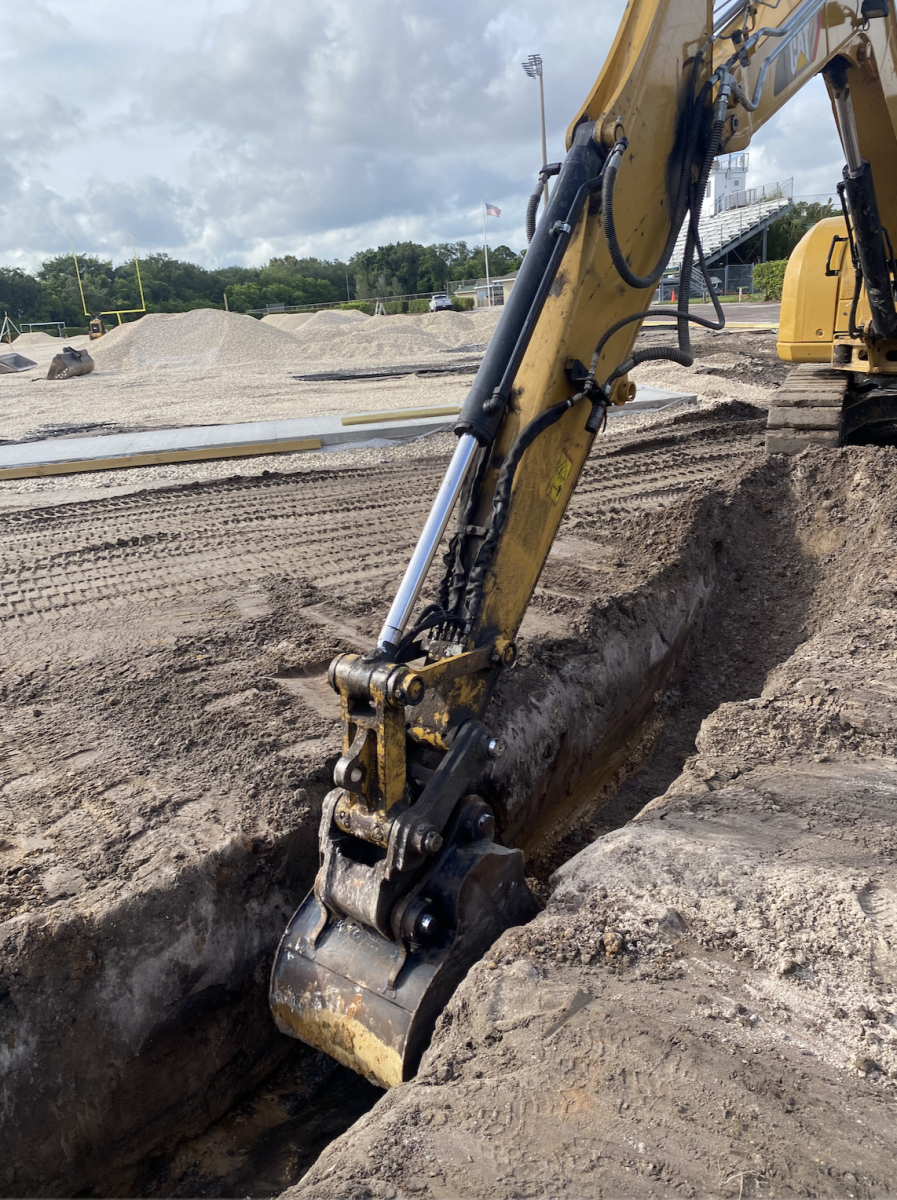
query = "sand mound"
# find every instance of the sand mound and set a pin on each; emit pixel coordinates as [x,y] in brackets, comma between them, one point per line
[203,338]
[412,338]
[292,321]
[337,316]
[208,338]
[36,339]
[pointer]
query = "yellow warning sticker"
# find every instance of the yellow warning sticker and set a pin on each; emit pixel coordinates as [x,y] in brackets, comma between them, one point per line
[559,478]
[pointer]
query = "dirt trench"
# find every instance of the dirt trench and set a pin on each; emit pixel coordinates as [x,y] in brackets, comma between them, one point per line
[708,1004]
[168,738]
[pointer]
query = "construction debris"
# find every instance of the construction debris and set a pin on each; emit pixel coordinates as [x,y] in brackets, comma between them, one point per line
[70,362]
[10,364]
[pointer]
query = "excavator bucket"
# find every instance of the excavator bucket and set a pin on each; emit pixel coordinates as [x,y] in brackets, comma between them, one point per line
[371,1003]
[69,363]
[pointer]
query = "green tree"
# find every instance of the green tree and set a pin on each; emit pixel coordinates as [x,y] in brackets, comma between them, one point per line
[283,283]
[315,268]
[20,294]
[405,268]
[60,294]
[171,285]
[784,234]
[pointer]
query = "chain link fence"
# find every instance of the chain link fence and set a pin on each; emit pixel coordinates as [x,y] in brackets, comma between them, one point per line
[732,280]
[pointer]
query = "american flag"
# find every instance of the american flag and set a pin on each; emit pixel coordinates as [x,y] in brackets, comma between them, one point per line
[492,211]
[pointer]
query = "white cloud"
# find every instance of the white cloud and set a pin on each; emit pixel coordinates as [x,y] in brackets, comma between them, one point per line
[225,131]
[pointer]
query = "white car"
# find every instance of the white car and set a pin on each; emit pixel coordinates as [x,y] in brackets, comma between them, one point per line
[441,302]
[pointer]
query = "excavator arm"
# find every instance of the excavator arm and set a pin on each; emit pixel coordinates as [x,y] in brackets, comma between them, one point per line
[413,886]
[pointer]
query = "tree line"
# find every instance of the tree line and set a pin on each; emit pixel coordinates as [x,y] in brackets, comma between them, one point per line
[170,285]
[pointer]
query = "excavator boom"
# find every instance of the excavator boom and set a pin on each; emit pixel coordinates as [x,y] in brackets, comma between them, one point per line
[413,885]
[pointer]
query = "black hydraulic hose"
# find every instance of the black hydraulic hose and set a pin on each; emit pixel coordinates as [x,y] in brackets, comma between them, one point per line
[501,502]
[640,316]
[483,410]
[610,229]
[683,316]
[533,204]
[711,290]
[656,354]
[607,195]
[693,237]
[532,208]
[852,329]
[432,616]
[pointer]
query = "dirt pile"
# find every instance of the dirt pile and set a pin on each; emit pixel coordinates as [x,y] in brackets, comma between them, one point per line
[289,321]
[416,337]
[35,339]
[708,1004]
[202,339]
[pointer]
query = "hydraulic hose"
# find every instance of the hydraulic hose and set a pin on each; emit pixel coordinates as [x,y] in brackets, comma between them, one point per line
[640,316]
[610,178]
[693,237]
[501,501]
[483,412]
[532,208]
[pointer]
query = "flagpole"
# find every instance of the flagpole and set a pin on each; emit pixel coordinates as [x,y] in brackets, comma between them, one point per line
[486,252]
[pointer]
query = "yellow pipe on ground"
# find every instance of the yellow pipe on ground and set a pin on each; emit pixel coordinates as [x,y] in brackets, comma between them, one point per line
[450,410]
[248,450]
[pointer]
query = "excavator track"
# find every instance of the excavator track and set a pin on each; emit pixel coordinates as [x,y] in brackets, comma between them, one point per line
[808,410]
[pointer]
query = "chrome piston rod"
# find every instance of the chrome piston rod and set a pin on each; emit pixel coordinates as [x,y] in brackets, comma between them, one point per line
[847,126]
[425,550]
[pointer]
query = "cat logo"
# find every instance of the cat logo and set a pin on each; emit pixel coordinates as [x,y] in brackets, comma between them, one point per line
[797,54]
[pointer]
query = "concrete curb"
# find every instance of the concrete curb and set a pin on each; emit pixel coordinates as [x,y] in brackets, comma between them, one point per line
[63,456]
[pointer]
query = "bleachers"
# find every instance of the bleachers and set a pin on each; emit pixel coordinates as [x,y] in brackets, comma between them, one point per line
[721,232]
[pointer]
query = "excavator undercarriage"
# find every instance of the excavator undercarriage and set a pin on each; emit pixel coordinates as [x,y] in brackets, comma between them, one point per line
[414,884]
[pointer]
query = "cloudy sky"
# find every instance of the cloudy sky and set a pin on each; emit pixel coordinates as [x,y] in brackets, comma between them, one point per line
[226,131]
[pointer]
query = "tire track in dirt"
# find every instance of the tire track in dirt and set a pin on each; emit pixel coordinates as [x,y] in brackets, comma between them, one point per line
[333,530]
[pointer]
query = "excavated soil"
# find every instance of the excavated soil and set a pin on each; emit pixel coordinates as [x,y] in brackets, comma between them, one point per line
[168,736]
[708,1004]
[705,1007]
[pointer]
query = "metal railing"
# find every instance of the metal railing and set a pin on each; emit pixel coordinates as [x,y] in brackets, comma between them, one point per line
[783,189]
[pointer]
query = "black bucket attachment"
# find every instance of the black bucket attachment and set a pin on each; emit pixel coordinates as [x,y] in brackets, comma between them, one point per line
[70,362]
[371,1003]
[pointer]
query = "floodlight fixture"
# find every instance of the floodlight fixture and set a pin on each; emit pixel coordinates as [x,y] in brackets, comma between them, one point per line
[533,68]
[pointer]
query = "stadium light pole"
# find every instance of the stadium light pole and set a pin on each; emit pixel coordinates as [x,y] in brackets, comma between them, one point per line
[533,68]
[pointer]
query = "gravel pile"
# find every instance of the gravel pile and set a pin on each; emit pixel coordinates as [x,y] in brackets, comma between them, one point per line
[381,341]
[288,321]
[203,338]
[36,339]
[208,338]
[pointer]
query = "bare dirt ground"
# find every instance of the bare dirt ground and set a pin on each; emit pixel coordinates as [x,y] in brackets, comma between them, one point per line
[168,736]
[707,1004]
[167,739]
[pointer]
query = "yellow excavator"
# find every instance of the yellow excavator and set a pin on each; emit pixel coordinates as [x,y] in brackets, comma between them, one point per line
[414,884]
